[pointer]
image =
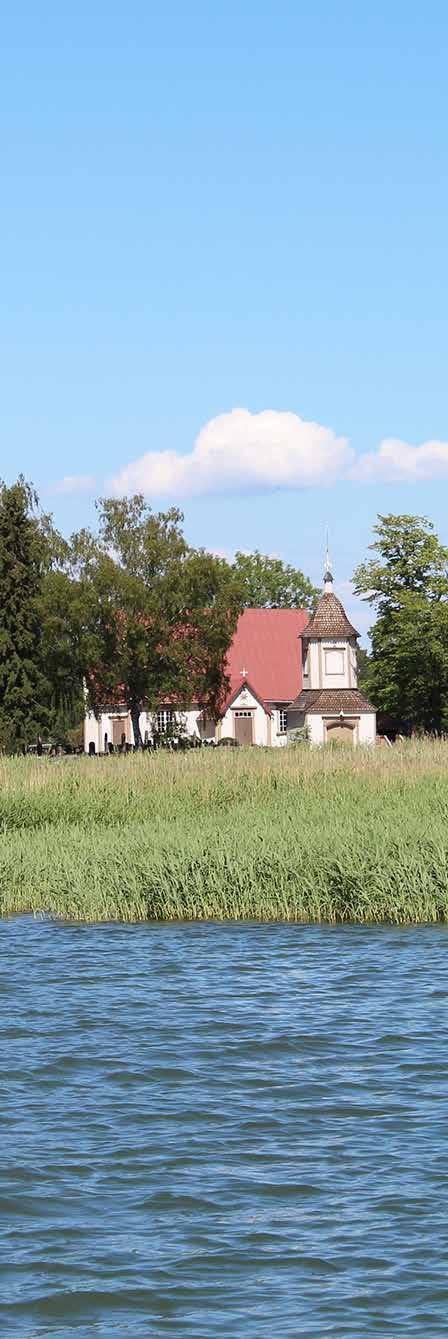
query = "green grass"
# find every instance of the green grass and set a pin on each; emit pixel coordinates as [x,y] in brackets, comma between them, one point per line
[296,835]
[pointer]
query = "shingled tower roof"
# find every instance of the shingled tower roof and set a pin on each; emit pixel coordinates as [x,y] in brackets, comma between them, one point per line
[329,619]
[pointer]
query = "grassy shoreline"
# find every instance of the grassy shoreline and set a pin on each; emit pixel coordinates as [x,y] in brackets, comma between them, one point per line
[292,835]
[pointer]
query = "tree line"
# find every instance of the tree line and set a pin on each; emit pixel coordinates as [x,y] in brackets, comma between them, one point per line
[128,613]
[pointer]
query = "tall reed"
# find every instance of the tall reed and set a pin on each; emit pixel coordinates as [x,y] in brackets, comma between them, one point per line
[281,834]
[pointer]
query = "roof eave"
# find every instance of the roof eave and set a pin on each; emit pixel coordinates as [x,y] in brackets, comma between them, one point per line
[315,636]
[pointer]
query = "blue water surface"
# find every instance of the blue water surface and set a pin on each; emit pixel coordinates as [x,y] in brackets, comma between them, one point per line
[223,1130]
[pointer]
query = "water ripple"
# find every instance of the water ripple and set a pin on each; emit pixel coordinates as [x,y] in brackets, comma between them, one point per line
[223,1131]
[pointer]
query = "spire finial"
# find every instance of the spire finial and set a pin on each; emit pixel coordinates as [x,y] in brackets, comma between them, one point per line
[328,575]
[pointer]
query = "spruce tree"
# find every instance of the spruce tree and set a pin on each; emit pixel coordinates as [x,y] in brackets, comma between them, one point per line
[23,685]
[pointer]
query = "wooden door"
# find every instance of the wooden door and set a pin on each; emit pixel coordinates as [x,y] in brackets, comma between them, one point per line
[118,729]
[244,727]
[342,732]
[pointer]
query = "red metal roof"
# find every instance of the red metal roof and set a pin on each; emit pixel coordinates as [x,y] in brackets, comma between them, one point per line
[267,648]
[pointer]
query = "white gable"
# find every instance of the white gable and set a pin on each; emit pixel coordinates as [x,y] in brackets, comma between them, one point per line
[244,698]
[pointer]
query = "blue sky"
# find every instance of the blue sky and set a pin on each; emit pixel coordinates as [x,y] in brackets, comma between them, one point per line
[215,207]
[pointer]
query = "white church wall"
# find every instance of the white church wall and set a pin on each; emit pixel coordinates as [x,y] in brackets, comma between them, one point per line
[191,721]
[95,731]
[91,732]
[266,729]
[226,726]
[316,729]
[364,732]
[260,725]
[335,664]
[367,728]
[331,664]
[353,665]
[314,666]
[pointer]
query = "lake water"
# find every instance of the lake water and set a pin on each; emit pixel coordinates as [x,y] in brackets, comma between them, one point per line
[236,1131]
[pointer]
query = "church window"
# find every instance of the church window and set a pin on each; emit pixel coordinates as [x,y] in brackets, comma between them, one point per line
[164,720]
[282,721]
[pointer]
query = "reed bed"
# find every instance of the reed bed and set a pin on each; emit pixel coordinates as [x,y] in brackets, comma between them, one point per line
[294,835]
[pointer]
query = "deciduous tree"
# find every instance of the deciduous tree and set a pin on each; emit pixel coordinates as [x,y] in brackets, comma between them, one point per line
[269,583]
[159,616]
[406,582]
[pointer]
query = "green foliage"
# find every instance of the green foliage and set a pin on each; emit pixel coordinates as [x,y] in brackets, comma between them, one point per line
[24,688]
[408,559]
[41,625]
[269,583]
[406,582]
[159,617]
[63,643]
[364,664]
[227,834]
[300,735]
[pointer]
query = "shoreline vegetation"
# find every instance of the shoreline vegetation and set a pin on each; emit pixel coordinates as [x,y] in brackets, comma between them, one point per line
[288,835]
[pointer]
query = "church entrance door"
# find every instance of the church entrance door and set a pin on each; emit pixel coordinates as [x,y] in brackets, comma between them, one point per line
[244,730]
[118,729]
[342,731]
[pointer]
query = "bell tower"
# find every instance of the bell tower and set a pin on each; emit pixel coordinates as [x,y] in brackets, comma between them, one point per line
[330,705]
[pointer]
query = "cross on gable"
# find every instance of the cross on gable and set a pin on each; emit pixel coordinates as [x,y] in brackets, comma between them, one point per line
[244,673]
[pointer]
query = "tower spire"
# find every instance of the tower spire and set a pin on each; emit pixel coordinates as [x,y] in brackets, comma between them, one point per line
[328,575]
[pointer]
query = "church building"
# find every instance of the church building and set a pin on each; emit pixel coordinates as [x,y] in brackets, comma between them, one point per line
[284,671]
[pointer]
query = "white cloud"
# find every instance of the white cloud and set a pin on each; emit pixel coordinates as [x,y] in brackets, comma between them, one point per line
[75,483]
[241,451]
[397,462]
